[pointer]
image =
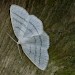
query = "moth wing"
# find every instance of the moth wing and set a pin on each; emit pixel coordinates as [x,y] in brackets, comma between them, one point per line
[36,50]
[18,16]
[34,28]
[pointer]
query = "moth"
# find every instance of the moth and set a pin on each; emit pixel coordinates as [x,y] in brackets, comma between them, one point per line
[30,34]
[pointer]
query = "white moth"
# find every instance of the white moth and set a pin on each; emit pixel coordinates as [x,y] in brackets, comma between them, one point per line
[31,36]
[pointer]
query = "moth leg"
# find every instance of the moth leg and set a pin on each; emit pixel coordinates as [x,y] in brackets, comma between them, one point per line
[17,45]
[19,51]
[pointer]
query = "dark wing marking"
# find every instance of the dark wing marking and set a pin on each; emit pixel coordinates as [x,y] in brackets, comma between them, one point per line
[18,15]
[19,29]
[19,22]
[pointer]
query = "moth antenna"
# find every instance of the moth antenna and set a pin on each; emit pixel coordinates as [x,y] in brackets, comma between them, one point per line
[11,38]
